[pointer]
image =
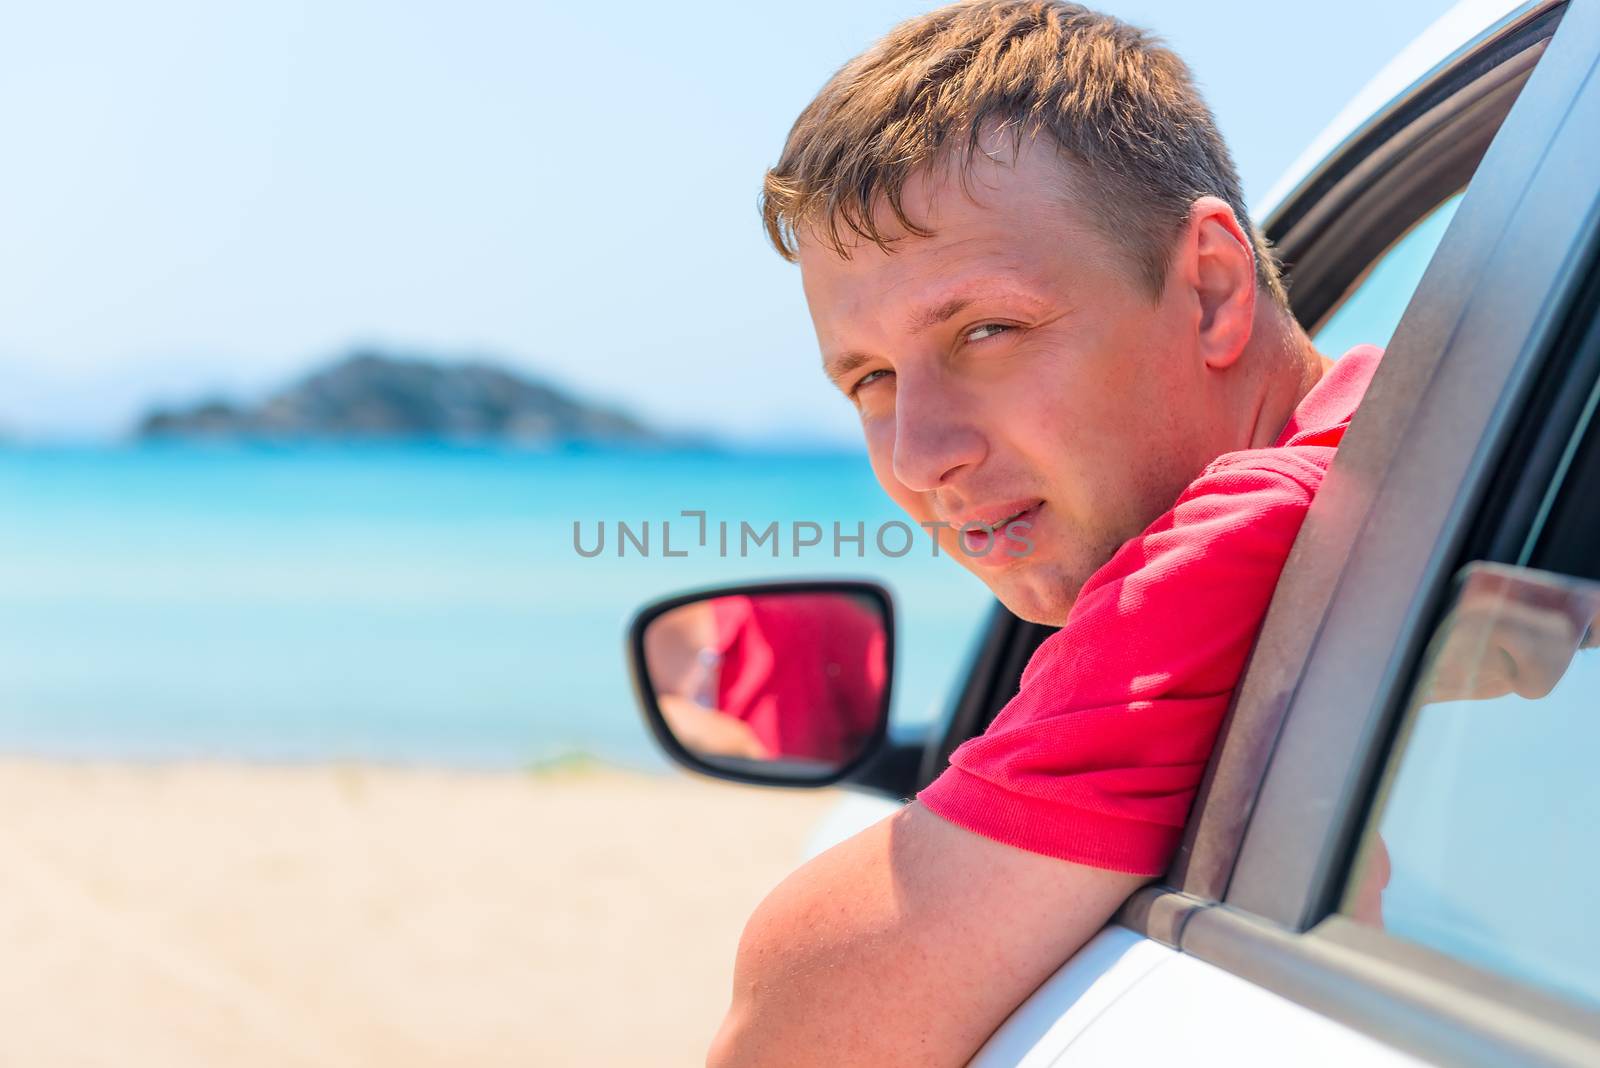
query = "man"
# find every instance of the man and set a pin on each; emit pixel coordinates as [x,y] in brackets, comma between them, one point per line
[1026,255]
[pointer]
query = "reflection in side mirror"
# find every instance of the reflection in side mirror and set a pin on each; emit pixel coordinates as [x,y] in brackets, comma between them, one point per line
[774,683]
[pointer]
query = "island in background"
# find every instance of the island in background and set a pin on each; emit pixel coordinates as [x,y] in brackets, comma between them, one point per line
[375,396]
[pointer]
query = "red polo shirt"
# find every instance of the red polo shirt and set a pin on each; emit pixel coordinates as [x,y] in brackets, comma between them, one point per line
[1097,758]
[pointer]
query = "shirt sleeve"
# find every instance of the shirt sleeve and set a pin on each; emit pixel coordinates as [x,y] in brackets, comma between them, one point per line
[1098,757]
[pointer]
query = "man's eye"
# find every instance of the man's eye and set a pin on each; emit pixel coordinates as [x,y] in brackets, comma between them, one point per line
[867,379]
[978,333]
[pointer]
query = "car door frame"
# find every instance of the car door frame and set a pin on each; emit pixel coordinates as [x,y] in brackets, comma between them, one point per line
[1255,887]
[1425,416]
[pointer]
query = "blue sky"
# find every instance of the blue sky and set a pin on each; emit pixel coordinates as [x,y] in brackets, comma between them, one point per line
[202,197]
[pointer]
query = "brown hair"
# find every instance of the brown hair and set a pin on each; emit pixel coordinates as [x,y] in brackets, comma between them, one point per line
[1120,104]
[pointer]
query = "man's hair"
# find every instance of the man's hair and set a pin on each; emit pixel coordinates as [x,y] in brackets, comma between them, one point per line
[1122,106]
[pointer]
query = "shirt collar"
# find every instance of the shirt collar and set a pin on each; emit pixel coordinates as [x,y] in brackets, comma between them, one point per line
[1328,408]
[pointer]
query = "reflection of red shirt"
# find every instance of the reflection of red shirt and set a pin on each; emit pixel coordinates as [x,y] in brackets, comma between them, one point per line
[1098,756]
[806,671]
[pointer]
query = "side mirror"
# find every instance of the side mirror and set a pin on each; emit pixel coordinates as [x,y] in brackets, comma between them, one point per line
[780,683]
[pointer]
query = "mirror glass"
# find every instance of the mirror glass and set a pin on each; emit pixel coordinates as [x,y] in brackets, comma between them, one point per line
[793,681]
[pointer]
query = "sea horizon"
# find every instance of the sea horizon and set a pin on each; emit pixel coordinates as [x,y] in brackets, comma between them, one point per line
[394,602]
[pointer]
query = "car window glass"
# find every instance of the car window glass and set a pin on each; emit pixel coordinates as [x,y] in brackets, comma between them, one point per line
[1372,310]
[1482,841]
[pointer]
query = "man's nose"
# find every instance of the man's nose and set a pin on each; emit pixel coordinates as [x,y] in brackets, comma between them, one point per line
[935,434]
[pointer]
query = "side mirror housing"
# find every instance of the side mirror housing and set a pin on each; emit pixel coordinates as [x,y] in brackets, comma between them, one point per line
[774,683]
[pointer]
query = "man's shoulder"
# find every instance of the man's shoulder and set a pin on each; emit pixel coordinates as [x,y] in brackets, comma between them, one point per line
[1245,489]
[1291,470]
[1284,466]
[1241,514]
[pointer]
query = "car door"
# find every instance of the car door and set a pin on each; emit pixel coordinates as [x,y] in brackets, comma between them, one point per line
[1464,451]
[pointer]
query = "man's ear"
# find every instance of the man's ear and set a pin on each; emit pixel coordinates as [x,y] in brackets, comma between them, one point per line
[1218,267]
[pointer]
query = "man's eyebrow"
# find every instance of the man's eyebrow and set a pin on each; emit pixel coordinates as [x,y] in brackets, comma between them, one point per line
[935,314]
[836,367]
[942,311]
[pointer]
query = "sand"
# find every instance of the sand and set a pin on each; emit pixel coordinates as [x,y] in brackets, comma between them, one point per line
[235,915]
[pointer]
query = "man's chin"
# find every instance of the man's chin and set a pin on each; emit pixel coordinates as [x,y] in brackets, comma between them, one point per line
[1036,597]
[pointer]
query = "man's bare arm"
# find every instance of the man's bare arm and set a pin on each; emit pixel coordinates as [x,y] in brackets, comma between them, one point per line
[905,945]
[710,730]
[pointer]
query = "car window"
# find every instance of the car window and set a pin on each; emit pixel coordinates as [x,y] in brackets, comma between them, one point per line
[1372,309]
[1482,841]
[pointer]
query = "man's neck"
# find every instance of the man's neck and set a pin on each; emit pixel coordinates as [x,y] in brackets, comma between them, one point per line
[1289,366]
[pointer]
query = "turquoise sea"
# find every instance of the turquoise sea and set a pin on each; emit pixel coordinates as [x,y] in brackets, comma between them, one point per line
[415,604]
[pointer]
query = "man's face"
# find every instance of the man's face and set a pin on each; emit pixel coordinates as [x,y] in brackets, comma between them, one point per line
[1011,365]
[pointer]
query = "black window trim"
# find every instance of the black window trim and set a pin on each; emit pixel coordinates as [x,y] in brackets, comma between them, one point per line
[1403,161]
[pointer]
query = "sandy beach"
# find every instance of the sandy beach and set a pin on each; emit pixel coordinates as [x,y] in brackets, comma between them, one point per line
[239,915]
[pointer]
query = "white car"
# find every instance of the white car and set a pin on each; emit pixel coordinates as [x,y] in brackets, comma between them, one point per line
[1453,213]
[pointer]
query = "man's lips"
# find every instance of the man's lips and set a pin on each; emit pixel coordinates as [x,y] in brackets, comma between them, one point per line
[981,528]
[994,516]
